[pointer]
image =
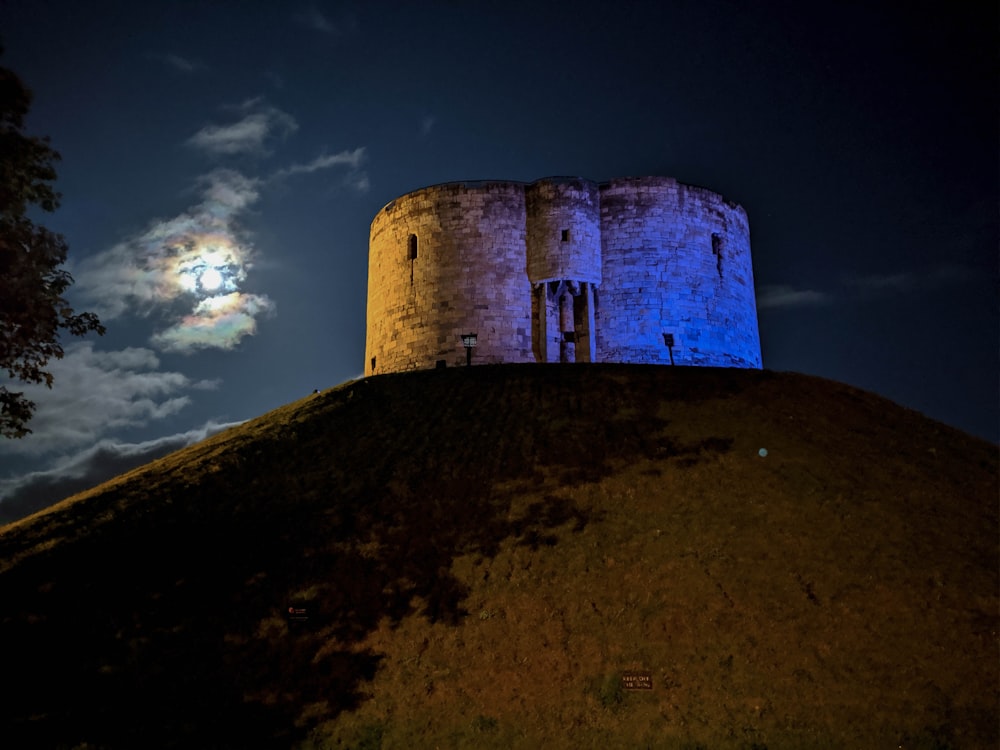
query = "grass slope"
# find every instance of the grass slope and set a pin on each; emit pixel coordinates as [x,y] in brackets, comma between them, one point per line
[482,553]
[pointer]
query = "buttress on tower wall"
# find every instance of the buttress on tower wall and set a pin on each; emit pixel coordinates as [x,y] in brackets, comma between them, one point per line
[642,270]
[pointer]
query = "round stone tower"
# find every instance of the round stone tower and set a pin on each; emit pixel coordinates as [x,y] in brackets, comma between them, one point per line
[560,270]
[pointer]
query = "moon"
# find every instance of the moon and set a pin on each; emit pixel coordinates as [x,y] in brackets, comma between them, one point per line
[210,279]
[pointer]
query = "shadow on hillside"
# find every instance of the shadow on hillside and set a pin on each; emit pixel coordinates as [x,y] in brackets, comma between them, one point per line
[169,626]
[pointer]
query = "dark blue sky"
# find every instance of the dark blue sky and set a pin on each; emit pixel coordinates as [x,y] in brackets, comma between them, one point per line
[259,141]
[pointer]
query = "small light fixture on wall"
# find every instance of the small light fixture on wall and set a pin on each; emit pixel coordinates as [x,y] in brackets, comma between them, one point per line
[468,341]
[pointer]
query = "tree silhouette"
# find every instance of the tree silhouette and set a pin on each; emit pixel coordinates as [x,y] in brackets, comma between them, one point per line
[33,309]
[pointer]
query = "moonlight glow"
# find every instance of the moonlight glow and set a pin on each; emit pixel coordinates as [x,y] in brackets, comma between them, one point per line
[210,265]
[210,279]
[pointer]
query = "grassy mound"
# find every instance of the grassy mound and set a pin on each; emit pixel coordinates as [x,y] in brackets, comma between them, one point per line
[476,557]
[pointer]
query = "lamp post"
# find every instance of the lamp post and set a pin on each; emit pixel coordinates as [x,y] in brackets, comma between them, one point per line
[468,341]
[668,339]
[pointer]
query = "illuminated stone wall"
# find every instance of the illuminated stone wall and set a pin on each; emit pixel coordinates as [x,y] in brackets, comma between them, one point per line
[676,260]
[468,276]
[560,270]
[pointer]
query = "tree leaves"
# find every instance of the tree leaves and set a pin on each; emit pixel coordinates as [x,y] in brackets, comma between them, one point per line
[33,309]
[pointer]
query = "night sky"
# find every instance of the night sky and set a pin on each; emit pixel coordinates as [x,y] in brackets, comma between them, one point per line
[222,163]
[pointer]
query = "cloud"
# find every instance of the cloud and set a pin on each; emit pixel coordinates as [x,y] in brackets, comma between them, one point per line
[99,391]
[216,322]
[259,126]
[188,269]
[895,281]
[773,296]
[98,463]
[910,281]
[180,64]
[313,18]
[358,182]
[352,159]
[356,178]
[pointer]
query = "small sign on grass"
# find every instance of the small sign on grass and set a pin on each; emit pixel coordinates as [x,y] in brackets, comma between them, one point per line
[637,679]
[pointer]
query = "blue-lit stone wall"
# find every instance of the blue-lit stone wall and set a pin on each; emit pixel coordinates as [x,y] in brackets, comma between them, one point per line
[676,260]
[562,269]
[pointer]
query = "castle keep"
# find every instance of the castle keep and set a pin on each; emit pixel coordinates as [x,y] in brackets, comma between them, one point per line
[643,270]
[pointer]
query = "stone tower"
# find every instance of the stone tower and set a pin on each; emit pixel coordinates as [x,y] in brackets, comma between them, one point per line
[644,270]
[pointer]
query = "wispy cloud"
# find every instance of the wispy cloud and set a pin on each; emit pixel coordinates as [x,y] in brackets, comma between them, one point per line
[777,296]
[98,392]
[356,178]
[98,463]
[313,18]
[258,127]
[352,159]
[218,322]
[774,296]
[910,281]
[188,270]
[179,63]
[358,182]
[888,282]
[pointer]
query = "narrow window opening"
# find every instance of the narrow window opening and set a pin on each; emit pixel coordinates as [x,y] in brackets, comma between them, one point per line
[717,251]
[412,253]
[565,235]
[373,365]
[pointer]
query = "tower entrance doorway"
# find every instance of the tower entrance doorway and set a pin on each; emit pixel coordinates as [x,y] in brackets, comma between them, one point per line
[563,317]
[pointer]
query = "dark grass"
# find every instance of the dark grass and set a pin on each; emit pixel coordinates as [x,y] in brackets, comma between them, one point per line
[151,612]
